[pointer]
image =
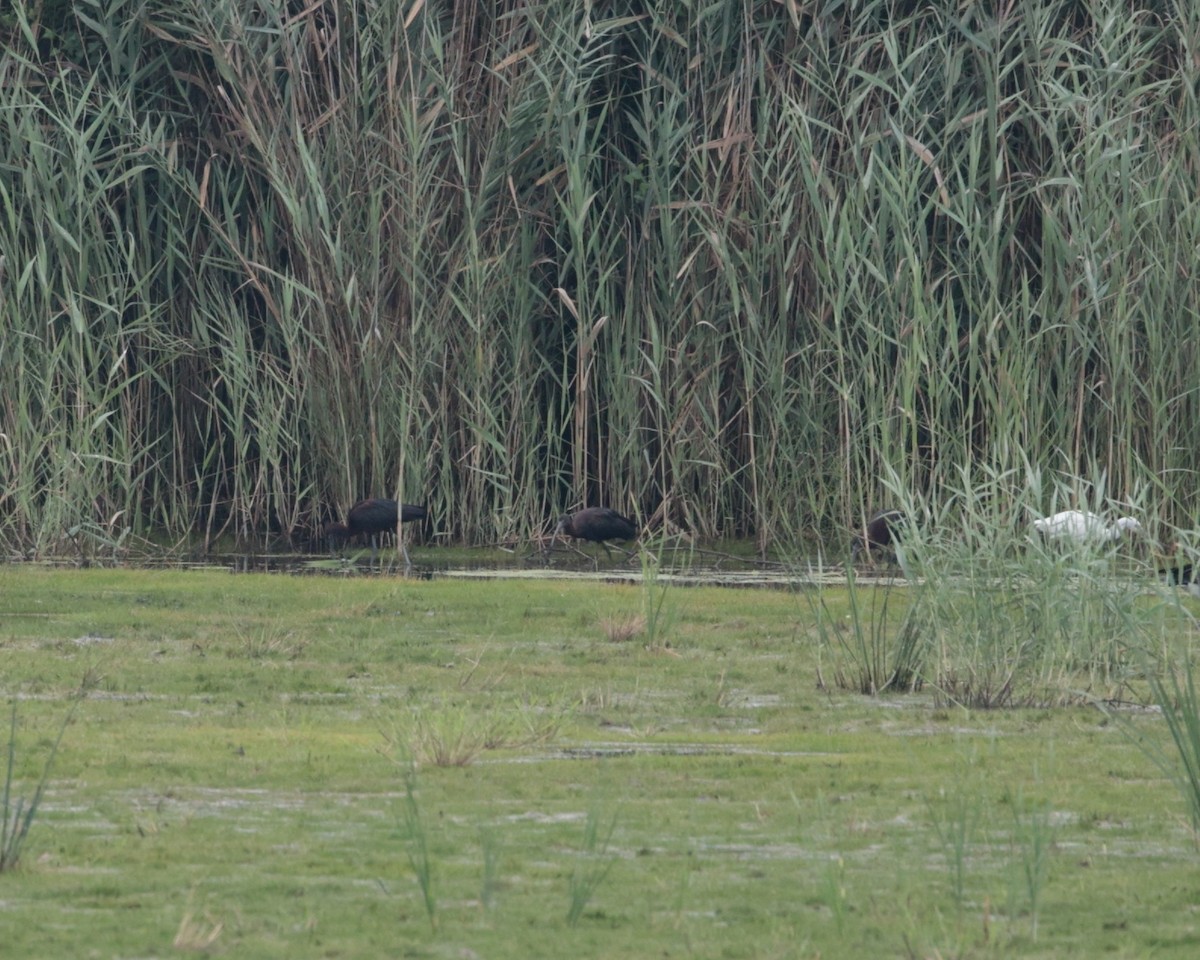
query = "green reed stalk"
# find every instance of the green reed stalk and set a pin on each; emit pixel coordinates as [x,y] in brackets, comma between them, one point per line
[1033,835]
[1179,702]
[594,863]
[417,846]
[16,817]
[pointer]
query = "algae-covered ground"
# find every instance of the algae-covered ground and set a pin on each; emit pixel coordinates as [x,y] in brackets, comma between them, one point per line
[293,767]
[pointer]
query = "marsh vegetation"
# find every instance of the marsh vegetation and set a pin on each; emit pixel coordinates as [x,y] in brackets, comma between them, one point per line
[725,267]
[743,271]
[268,765]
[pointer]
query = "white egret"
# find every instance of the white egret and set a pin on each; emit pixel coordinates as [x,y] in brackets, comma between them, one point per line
[1081,527]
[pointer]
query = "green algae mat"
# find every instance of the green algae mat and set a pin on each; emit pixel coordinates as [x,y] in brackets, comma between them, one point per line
[293,767]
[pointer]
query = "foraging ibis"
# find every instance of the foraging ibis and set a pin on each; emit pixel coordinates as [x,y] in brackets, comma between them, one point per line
[598,524]
[1179,571]
[371,517]
[882,531]
[1080,526]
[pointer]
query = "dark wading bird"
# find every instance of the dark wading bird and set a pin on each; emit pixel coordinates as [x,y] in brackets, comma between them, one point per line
[370,518]
[880,533]
[1178,570]
[598,524]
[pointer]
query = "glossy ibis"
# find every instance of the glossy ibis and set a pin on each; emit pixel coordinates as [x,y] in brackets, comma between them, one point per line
[1081,527]
[369,518]
[882,531]
[1179,571]
[598,524]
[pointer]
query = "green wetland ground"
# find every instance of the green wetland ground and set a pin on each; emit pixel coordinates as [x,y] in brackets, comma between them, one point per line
[745,271]
[301,766]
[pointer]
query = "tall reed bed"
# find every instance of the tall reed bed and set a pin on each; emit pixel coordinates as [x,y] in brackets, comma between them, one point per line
[728,267]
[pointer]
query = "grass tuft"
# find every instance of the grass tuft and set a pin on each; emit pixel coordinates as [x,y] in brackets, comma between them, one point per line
[416,840]
[16,813]
[593,861]
[622,629]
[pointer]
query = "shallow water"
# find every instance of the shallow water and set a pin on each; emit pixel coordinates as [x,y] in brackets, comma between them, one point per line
[691,568]
[688,568]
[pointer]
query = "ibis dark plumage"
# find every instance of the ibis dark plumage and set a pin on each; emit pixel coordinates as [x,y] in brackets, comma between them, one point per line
[369,518]
[598,524]
[1178,570]
[880,533]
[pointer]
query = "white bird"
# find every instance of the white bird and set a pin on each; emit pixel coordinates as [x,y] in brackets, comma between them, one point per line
[1084,527]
